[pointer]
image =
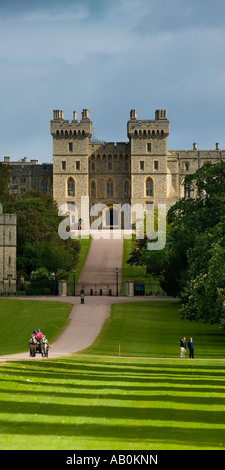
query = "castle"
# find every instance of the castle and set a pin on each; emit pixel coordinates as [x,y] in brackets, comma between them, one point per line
[139,171]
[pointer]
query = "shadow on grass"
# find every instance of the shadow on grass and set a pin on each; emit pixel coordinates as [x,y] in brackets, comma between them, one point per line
[142,412]
[188,436]
[114,412]
[98,395]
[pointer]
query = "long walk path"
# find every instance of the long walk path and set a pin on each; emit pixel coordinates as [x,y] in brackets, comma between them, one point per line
[86,321]
[105,255]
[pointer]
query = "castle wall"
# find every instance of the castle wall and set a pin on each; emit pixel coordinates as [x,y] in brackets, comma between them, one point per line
[140,171]
[7,252]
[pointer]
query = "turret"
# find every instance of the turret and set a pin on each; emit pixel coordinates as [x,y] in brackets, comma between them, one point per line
[61,128]
[153,132]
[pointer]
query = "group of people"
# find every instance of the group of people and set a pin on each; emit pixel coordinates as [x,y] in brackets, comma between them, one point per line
[183,347]
[38,334]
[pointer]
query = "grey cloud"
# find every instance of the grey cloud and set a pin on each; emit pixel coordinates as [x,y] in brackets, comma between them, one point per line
[181,15]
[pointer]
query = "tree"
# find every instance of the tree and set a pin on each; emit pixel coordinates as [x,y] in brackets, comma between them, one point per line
[192,263]
[38,242]
[205,291]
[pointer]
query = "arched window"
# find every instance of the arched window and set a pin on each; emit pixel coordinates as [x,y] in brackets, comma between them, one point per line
[93,188]
[109,188]
[70,187]
[149,187]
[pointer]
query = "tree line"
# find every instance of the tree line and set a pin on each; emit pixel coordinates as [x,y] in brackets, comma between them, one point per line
[42,257]
[191,266]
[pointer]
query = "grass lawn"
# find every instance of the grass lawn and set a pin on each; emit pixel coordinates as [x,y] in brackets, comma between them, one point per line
[137,273]
[154,329]
[112,403]
[18,319]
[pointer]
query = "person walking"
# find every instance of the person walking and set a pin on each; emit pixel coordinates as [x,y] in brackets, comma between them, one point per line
[191,348]
[182,347]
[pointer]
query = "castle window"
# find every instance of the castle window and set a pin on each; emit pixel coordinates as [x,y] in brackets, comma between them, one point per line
[156,165]
[77,165]
[70,187]
[93,166]
[93,188]
[44,186]
[149,147]
[109,188]
[149,187]
[186,166]
[110,166]
[187,190]
[70,147]
[63,165]
[126,166]
[126,188]
[9,260]
[142,165]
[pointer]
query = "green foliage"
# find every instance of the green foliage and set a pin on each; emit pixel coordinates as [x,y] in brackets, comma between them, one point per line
[192,263]
[38,242]
[42,282]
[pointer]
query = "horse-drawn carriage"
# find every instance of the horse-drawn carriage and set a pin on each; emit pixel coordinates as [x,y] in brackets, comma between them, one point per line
[38,345]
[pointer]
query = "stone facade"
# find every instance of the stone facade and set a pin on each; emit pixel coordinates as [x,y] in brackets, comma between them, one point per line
[29,176]
[7,253]
[140,171]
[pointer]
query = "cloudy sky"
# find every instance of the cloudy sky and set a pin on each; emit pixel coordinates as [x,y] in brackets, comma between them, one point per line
[110,56]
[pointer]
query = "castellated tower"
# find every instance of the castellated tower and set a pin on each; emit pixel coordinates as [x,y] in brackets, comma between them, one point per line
[140,171]
[7,253]
[70,157]
[149,155]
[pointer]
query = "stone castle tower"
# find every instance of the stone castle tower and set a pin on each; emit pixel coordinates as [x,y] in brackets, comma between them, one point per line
[140,171]
[7,252]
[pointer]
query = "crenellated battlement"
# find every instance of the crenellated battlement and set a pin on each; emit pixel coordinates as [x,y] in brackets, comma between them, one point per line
[61,128]
[157,128]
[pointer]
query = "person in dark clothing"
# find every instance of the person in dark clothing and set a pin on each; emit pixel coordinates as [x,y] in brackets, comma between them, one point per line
[182,347]
[191,348]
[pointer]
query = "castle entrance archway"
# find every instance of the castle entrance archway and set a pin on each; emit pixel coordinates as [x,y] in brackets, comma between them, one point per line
[111,218]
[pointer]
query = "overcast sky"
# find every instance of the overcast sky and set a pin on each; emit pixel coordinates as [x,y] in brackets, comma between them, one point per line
[111,56]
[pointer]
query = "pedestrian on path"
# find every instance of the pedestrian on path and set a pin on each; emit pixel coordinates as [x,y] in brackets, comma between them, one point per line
[82,296]
[182,347]
[191,346]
